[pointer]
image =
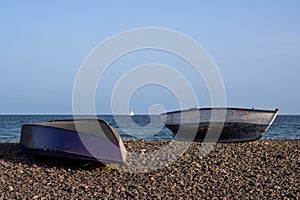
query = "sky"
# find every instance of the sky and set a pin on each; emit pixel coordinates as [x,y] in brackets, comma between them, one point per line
[255,45]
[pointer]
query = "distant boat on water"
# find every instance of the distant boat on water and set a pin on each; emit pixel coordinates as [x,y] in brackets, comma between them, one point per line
[131,113]
[240,125]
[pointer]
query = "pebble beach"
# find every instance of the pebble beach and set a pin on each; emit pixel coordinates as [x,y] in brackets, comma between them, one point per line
[267,169]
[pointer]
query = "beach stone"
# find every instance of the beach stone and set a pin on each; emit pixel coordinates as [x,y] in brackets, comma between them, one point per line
[253,170]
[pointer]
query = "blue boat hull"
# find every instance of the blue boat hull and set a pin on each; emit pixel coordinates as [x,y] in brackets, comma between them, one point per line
[45,139]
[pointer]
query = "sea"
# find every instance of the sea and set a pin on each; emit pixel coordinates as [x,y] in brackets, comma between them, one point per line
[143,127]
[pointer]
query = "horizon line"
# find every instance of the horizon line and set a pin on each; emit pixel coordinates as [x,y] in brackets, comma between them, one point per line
[102,114]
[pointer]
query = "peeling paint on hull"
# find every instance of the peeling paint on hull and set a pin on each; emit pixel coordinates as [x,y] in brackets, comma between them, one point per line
[232,132]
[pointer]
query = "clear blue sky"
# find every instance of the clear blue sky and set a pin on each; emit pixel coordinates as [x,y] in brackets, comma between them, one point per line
[255,44]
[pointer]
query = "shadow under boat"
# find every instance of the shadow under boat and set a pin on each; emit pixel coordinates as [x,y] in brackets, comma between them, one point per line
[84,139]
[236,125]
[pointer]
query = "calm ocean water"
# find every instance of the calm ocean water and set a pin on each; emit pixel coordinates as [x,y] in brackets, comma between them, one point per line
[284,127]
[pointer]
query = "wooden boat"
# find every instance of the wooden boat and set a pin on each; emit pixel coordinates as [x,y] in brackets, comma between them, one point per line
[236,125]
[96,140]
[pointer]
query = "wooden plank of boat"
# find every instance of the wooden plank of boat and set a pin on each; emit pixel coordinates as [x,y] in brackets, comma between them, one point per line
[96,140]
[240,125]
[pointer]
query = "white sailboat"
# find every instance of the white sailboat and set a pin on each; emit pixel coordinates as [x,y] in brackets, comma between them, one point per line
[131,113]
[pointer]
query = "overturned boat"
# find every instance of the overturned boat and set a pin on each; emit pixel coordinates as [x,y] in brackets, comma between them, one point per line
[82,139]
[219,124]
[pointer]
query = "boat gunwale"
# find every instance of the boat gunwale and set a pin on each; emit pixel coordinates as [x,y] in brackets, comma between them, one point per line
[65,154]
[223,108]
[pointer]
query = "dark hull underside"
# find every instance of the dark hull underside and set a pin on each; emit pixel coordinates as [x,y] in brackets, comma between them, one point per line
[61,154]
[231,132]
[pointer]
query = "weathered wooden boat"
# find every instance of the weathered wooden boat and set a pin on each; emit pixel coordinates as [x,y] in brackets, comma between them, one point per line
[95,140]
[237,124]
